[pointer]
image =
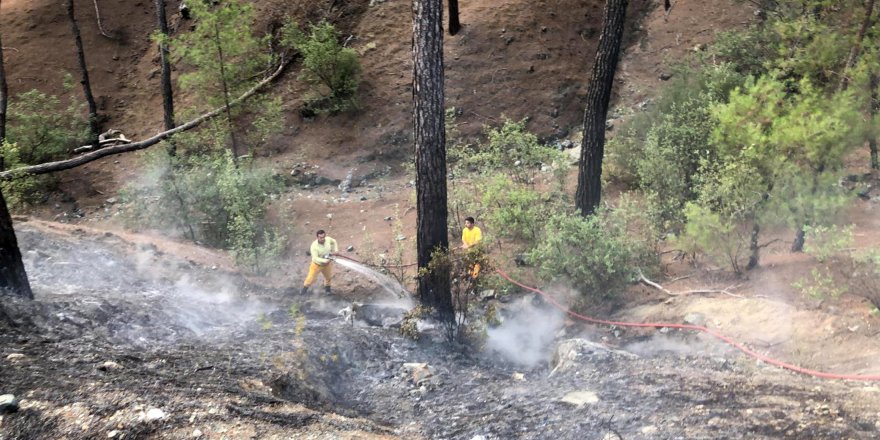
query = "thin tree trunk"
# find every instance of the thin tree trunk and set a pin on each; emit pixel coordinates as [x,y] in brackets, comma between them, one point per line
[12,274]
[857,46]
[226,92]
[454,23]
[94,126]
[589,189]
[167,91]
[430,140]
[873,83]
[754,248]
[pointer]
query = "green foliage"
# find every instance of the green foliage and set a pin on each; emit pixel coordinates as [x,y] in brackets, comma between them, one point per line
[599,254]
[510,149]
[222,47]
[210,199]
[820,285]
[43,130]
[826,241]
[676,146]
[22,191]
[334,70]
[38,130]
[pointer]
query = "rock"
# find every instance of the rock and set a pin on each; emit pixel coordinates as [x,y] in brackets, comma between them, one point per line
[378,315]
[400,237]
[418,372]
[109,365]
[363,198]
[345,185]
[487,294]
[8,404]
[197,433]
[517,163]
[518,376]
[609,125]
[648,430]
[566,144]
[665,76]
[112,434]
[695,318]
[580,398]
[154,414]
[15,357]
[111,200]
[387,219]
[350,248]
[573,351]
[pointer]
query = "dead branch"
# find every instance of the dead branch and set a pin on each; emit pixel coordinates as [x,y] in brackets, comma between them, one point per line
[124,148]
[100,24]
[726,290]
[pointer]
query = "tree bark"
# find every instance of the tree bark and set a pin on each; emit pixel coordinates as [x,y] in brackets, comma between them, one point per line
[454,23]
[754,248]
[4,93]
[874,83]
[94,126]
[12,274]
[430,140]
[225,85]
[857,46]
[589,189]
[167,91]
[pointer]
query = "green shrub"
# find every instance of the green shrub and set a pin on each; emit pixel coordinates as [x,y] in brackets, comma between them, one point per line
[510,149]
[327,65]
[824,242]
[599,254]
[212,200]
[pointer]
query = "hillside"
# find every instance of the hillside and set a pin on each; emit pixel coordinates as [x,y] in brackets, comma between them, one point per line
[224,354]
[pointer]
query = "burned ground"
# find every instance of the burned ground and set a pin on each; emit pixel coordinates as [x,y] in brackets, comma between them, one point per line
[128,348]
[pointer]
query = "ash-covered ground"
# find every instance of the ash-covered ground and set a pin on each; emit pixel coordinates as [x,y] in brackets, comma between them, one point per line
[125,342]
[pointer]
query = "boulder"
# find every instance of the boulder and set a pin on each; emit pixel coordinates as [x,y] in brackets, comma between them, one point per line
[8,404]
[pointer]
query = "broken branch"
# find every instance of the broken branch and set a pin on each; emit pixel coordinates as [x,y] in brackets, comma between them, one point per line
[140,145]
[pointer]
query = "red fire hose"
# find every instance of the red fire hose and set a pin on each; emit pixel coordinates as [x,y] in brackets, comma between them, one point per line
[699,328]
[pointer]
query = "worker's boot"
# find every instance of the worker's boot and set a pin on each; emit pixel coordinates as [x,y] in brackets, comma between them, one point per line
[327,290]
[304,291]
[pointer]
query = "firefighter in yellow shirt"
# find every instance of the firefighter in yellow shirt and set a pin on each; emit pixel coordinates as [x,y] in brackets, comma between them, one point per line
[471,236]
[322,251]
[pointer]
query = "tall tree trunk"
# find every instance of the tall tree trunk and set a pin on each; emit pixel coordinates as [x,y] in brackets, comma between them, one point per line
[167,92]
[94,126]
[589,189]
[12,274]
[454,23]
[225,85]
[430,141]
[4,95]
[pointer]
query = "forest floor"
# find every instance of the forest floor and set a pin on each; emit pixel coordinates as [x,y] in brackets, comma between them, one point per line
[201,350]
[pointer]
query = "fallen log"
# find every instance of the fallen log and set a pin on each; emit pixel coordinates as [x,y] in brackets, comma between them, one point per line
[66,164]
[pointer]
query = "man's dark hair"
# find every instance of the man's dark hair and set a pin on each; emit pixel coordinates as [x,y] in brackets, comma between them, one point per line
[470,219]
[320,232]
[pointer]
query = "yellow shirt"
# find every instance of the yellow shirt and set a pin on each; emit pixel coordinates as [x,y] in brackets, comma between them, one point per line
[318,250]
[471,236]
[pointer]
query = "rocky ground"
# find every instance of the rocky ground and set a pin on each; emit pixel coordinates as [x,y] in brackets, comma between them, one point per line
[126,342]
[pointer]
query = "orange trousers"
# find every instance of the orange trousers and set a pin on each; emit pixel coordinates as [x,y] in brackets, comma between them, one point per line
[326,270]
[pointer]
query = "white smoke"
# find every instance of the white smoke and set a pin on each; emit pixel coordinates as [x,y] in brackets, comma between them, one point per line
[526,337]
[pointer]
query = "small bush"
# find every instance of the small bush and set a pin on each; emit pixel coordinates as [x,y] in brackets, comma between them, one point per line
[600,254]
[511,149]
[327,65]
[824,242]
[209,198]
